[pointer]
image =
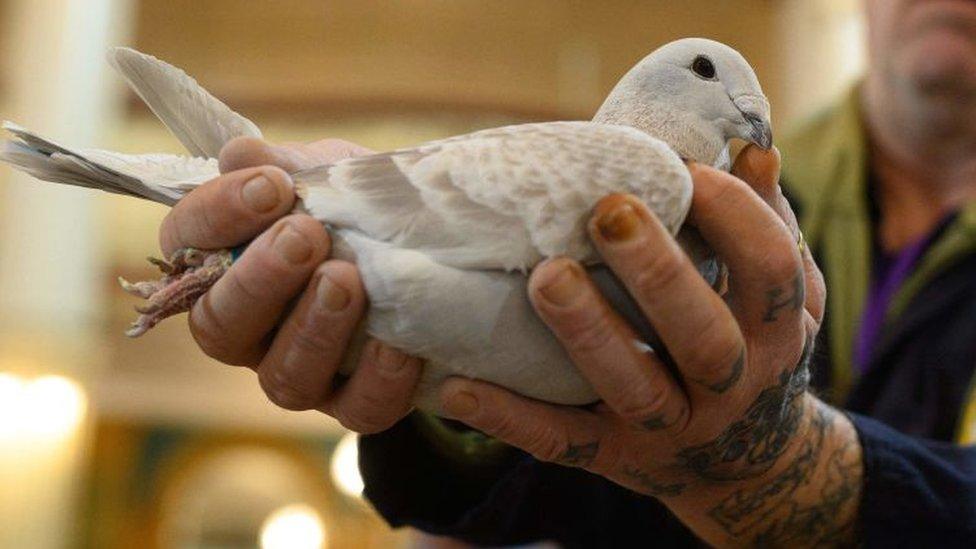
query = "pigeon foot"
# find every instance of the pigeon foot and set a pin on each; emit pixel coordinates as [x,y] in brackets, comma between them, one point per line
[187,275]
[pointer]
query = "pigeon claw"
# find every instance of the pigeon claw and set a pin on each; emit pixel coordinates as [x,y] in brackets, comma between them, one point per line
[187,275]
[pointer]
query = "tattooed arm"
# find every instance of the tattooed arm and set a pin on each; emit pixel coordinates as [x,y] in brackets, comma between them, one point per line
[725,433]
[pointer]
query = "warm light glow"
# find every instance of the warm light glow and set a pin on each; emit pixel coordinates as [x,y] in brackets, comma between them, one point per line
[293,527]
[11,390]
[49,407]
[345,466]
[52,406]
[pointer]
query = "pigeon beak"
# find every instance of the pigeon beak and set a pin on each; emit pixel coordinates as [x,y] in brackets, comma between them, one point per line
[762,132]
[755,113]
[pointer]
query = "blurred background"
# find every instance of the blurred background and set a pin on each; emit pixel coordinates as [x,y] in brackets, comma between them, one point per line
[111,442]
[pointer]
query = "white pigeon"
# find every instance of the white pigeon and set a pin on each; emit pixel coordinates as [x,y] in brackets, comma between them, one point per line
[445,233]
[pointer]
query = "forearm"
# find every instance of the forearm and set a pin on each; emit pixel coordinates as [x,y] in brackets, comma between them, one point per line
[810,497]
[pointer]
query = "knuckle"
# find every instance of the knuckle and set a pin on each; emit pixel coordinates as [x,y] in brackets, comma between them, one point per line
[308,338]
[717,364]
[242,152]
[718,187]
[591,332]
[644,401]
[366,414]
[212,336]
[286,392]
[216,220]
[715,349]
[245,285]
[550,446]
[338,149]
[781,265]
[660,273]
[608,454]
[498,421]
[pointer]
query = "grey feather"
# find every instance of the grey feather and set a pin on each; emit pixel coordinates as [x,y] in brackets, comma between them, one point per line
[201,122]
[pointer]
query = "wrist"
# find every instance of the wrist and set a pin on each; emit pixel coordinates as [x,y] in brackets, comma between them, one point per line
[809,497]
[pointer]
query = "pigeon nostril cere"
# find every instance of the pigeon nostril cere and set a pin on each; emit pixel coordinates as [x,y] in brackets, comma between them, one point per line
[260,194]
[292,246]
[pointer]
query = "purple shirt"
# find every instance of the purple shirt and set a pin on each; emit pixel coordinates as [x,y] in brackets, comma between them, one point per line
[888,274]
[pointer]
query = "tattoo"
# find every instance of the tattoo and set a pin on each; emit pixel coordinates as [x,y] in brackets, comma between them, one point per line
[734,376]
[777,299]
[751,445]
[654,423]
[785,521]
[740,511]
[650,486]
[579,455]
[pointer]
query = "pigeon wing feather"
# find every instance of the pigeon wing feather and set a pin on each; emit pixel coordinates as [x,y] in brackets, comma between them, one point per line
[201,122]
[502,198]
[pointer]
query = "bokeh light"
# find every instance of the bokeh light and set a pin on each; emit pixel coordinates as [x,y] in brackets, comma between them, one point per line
[11,391]
[52,406]
[345,466]
[295,526]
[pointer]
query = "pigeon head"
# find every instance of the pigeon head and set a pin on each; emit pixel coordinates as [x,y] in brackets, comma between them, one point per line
[696,95]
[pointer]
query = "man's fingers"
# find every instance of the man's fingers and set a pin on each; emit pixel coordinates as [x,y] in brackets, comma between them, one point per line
[248,152]
[558,434]
[767,278]
[297,371]
[230,321]
[694,323]
[228,210]
[761,169]
[605,349]
[379,393]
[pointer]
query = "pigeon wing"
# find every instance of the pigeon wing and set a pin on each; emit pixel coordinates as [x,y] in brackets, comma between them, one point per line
[201,122]
[502,198]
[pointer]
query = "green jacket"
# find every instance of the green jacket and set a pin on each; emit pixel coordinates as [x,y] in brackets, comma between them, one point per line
[825,171]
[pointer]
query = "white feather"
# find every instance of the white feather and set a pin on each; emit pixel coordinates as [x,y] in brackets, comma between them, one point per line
[201,122]
[164,178]
[502,198]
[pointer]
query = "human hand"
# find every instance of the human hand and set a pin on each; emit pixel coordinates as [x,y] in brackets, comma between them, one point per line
[283,309]
[728,436]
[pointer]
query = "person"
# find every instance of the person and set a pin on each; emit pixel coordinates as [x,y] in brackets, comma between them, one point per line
[731,446]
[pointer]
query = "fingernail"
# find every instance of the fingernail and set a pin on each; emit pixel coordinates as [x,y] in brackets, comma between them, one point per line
[260,194]
[564,288]
[330,295]
[292,246]
[391,361]
[461,404]
[620,223]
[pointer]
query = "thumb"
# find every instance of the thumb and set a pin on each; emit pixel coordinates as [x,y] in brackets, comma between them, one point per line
[250,152]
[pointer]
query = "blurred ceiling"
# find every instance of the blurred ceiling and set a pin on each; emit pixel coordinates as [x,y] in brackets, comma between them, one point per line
[536,59]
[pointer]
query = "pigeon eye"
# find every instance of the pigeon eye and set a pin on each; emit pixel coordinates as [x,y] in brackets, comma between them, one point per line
[703,67]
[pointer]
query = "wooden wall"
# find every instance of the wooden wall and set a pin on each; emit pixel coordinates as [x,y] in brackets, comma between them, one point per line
[535,59]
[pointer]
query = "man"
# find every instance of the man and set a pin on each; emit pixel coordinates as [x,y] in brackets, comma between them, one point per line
[731,448]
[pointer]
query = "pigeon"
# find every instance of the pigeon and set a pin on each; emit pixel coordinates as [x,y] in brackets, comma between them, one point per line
[445,233]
